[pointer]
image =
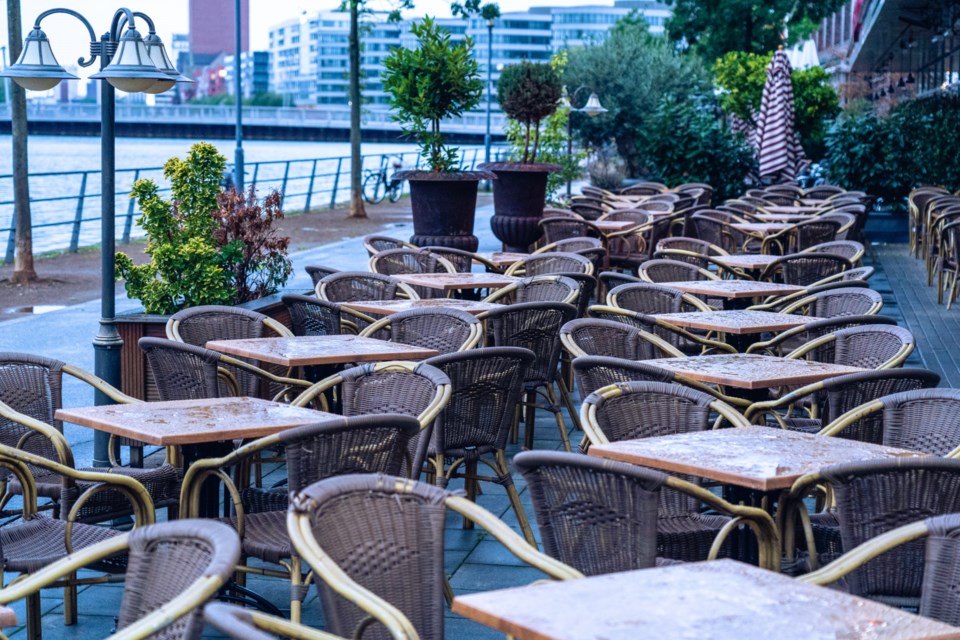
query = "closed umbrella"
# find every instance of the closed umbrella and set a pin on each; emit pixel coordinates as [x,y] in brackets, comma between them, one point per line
[778,147]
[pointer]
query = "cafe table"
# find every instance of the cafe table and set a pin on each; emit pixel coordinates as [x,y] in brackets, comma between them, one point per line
[388,307]
[764,228]
[719,600]
[807,209]
[302,351]
[736,325]
[503,259]
[201,428]
[613,226]
[784,217]
[755,262]
[456,281]
[740,293]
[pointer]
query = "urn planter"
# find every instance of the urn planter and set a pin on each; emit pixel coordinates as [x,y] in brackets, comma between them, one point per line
[519,195]
[444,205]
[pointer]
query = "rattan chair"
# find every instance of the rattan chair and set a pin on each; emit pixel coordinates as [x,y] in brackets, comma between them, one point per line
[375,244]
[649,298]
[812,406]
[238,623]
[311,316]
[658,271]
[318,272]
[600,337]
[778,303]
[690,245]
[822,192]
[473,428]
[31,391]
[786,341]
[710,228]
[550,264]
[333,447]
[443,330]
[849,249]
[870,346]
[838,302]
[343,527]
[858,273]
[558,228]
[537,289]
[847,220]
[805,269]
[800,236]
[644,189]
[682,342]
[392,262]
[88,500]
[355,286]
[587,291]
[535,326]
[571,245]
[872,498]
[940,587]
[601,516]
[461,260]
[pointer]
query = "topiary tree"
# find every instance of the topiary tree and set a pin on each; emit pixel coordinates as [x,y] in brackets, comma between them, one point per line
[436,80]
[528,93]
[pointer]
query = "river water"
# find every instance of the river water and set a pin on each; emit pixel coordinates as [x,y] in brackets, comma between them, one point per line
[49,154]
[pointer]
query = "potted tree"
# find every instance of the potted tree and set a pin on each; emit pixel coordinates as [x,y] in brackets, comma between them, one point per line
[437,80]
[528,93]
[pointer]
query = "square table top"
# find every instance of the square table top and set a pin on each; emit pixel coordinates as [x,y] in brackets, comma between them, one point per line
[738,322]
[762,227]
[779,208]
[746,260]
[784,217]
[722,600]
[303,351]
[181,422]
[615,225]
[388,307]
[734,289]
[760,458]
[503,258]
[752,371]
[455,281]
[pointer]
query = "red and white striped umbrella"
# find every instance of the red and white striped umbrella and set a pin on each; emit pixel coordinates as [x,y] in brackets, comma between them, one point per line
[778,147]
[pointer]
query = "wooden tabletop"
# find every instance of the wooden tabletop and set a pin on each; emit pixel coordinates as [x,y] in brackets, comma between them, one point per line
[746,260]
[784,217]
[762,227]
[739,322]
[503,258]
[734,289]
[615,225]
[455,281]
[761,458]
[302,351]
[776,208]
[752,371]
[387,307]
[720,600]
[183,422]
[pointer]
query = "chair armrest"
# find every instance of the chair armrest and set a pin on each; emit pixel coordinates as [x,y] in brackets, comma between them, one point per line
[758,409]
[57,440]
[100,385]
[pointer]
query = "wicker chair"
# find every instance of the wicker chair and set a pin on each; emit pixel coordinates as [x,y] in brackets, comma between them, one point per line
[789,189]
[811,407]
[872,498]
[858,273]
[657,271]
[551,263]
[537,289]
[716,232]
[343,526]
[822,192]
[443,330]
[644,189]
[849,249]
[36,541]
[31,391]
[392,262]
[649,298]
[561,228]
[473,428]
[375,244]
[941,583]
[870,346]
[778,303]
[333,447]
[786,341]
[805,269]
[599,337]
[238,623]
[837,302]
[172,569]
[587,285]
[682,341]
[571,245]
[705,195]
[800,236]
[318,272]
[461,260]
[689,245]
[847,220]
[311,316]
[553,212]
[355,286]
[601,516]
[535,326]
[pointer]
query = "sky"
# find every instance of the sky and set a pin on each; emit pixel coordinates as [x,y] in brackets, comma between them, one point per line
[69,38]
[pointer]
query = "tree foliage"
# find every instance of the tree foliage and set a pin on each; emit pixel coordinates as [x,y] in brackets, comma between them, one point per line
[487,11]
[528,92]
[631,72]
[715,27]
[436,80]
[741,76]
[256,100]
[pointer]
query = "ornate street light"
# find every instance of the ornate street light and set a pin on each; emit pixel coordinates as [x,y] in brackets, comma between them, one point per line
[129,63]
[592,108]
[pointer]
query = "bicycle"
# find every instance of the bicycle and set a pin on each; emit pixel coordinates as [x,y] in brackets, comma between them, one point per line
[376,185]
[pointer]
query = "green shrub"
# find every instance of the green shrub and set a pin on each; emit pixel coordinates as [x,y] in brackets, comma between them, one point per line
[528,93]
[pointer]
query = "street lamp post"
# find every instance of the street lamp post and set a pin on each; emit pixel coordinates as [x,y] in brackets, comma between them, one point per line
[238,85]
[486,138]
[130,63]
[592,108]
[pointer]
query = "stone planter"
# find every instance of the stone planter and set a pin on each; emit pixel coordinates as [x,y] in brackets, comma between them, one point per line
[443,207]
[519,195]
[135,377]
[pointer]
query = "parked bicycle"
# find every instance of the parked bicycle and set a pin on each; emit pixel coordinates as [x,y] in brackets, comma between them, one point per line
[376,185]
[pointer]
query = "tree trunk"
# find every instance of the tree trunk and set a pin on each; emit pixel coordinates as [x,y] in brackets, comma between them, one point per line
[357,209]
[536,141]
[23,270]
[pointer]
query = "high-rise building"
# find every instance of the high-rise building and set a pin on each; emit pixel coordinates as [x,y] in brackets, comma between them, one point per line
[212,27]
[254,73]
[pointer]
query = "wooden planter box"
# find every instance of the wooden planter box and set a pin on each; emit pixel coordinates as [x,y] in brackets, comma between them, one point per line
[135,377]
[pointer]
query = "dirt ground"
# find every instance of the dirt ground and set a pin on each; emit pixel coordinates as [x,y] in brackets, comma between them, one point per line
[72,278]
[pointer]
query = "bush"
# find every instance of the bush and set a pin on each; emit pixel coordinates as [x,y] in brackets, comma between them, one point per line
[606,170]
[528,93]
[688,143]
[198,252]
